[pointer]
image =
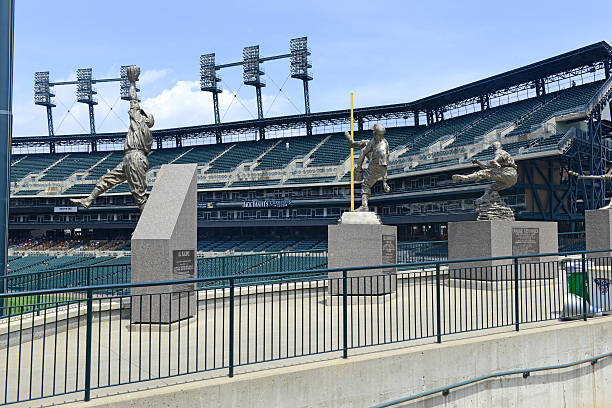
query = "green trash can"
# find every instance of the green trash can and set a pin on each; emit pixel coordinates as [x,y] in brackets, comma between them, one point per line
[577,284]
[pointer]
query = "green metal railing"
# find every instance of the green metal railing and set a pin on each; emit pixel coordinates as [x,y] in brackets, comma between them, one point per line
[261,263]
[424,251]
[572,241]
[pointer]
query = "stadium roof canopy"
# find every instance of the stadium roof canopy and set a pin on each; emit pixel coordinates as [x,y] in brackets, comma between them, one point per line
[560,65]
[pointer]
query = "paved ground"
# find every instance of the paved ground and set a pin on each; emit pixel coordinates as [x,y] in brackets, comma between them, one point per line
[272,322]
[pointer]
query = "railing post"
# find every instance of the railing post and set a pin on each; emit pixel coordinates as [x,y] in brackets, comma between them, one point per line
[516,295]
[88,345]
[584,287]
[438,309]
[231,328]
[344,318]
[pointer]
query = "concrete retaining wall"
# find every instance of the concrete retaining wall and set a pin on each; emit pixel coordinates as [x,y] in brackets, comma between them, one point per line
[373,378]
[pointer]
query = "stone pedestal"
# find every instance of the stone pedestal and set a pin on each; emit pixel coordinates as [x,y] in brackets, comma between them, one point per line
[354,244]
[598,232]
[164,248]
[496,238]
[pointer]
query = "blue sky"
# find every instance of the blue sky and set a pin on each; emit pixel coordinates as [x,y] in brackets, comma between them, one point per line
[383,51]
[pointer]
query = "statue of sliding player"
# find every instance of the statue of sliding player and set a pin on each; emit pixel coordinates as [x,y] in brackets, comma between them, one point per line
[137,147]
[607,176]
[377,153]
[502,170]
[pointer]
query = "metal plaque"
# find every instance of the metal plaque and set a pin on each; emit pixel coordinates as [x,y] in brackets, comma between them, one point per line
[183,267]
[389,252]
[525,241]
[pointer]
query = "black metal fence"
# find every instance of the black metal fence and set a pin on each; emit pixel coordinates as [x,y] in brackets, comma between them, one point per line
[87,338]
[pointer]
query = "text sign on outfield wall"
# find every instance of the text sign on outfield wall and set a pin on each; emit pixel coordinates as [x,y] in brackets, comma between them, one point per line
[206,204]
[266,203]
[64,209]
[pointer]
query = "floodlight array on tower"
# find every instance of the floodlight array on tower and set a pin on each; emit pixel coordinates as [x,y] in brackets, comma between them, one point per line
[252,75]
[85,91]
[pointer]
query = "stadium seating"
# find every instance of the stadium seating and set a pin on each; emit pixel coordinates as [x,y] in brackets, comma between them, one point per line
[574,97]
[79,189]
[334,151]
[248,183]
[309,180]
[202,154]
[445,128]
[72,163]
[107,164]
[28,192]
[19,264]
[287,150]
[158,157]
[34,163]
[498,115]
[212,185]
[239,153]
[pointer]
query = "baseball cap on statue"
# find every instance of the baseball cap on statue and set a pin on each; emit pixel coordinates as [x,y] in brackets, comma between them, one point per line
[378,128]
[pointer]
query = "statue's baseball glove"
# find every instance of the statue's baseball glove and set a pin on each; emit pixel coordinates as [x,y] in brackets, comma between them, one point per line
[133,72]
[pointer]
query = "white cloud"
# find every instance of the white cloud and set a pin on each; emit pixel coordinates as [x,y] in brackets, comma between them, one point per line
[153,75]
[185,105]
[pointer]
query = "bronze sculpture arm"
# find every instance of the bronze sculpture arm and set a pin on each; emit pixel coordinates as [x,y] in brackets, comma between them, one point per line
[480,164]
[133,72]
[364,152]
[357,144]
[607,176]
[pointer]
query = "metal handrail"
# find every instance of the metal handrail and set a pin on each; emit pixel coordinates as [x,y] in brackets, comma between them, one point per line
[287,274]
[525,372]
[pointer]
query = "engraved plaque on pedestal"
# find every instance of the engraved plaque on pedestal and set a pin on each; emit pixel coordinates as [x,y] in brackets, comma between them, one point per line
[525,241]
[183,267]
[389,252]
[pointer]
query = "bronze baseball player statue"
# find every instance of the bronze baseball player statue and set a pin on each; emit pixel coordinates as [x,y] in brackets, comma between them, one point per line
[377,153]
[503,171]
[137,147]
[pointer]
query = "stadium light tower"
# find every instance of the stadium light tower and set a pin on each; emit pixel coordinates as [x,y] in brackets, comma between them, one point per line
[299,65]
[85,93]
[208,83]
[43,92]
[251,75]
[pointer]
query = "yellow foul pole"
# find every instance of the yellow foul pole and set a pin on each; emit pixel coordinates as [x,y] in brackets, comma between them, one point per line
[352,162]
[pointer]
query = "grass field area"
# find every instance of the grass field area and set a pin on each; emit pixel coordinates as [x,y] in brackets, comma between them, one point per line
[23,304]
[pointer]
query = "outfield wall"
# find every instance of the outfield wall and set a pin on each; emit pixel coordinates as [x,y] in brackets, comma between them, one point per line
[373,378]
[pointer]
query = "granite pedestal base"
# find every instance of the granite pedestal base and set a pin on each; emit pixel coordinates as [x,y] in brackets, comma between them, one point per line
[164,248]
[496,238]
[362,245]
[598,232]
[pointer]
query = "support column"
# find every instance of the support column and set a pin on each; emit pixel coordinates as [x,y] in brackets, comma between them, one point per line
[92,120]
[218,136]
[7,16]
